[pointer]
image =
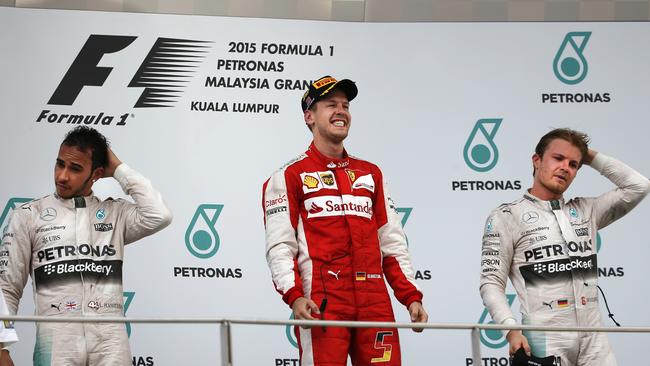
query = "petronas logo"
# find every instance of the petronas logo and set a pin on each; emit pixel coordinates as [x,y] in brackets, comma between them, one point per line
[11,204]
[570,65]
[404,213]
[289,332]
[493,338]
[128,297]
[201,237]
[480,152]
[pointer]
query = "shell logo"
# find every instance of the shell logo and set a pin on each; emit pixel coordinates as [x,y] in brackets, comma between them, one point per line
[310,182]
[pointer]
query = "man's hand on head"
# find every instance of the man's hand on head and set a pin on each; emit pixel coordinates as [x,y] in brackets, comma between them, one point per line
[113,163]
[591,154]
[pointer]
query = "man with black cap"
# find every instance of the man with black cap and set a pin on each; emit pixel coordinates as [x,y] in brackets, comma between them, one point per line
[332,234]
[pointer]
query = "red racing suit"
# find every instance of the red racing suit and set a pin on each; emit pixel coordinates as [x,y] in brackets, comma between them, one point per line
[332,232]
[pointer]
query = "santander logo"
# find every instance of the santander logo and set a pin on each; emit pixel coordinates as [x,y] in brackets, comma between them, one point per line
[315,208]
[339,206]
[348,207]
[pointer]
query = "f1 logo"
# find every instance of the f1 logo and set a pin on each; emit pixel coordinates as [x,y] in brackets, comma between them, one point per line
[84,70]
[164,71]
[379,344]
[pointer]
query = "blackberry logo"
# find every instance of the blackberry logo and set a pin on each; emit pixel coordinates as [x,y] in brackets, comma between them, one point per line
[49,269]
[539,267]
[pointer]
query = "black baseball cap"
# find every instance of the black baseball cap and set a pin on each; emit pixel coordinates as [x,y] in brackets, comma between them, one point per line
[324,85]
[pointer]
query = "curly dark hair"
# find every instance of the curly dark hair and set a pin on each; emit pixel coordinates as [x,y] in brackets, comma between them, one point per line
[89,139]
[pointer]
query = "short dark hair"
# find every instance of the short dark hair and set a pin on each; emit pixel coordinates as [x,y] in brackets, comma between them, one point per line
[87,138]
[575,138]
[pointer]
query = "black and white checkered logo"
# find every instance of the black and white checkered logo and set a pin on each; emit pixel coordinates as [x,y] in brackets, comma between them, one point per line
[49,269]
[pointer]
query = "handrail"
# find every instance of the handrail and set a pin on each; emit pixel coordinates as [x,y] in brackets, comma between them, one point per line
[226,325]
[314,323]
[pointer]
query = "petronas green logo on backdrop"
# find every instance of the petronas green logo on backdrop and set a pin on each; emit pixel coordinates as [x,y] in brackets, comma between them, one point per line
[570,65]
[404,213]
[480,152]
[201,237]
[128,297]
[605,271]
[493,338]
[289,332]
[203,242]
[145,360]
[11,204]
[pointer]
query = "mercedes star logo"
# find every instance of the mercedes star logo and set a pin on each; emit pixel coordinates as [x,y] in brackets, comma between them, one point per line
[48,214]
[530,217]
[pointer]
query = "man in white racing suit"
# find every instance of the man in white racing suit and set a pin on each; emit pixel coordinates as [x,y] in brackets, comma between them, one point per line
[72,245]
[547,247]
[7,335]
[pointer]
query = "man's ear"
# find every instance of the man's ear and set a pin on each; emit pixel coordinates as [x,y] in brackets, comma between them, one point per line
[537,160]
[98,173]
[309,118]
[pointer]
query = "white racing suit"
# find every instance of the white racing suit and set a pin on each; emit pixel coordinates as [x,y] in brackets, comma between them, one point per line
[7,332]
[73,250]
[548,249]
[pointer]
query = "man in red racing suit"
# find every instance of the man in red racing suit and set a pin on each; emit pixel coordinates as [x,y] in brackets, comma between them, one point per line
[332,234]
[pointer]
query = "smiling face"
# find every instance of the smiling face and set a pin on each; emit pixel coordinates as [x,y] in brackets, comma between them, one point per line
[330,118]
[555,169]
[73,173]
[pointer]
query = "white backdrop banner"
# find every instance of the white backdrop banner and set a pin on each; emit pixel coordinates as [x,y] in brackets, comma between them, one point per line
[208,108]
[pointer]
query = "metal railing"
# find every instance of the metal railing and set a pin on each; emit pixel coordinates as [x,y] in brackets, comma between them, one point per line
[226,324]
